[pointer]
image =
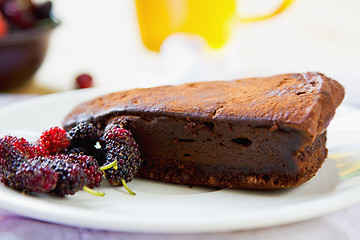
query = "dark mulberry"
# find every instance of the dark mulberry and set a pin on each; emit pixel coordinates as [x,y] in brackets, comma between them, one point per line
[71,178]
[121,146]
[89,165]
[33,177]
[11,147]
[84,134]
[28,168]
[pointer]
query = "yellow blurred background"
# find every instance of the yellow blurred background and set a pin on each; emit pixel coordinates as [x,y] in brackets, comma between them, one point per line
[103,39]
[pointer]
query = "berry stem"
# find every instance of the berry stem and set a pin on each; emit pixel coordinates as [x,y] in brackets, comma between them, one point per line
[110,165]
[127,188]
[93,192]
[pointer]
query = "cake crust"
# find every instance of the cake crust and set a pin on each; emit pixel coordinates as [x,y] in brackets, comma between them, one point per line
[255,133]
[306,102]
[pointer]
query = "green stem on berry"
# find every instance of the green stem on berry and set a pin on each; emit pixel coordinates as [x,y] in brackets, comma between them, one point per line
[115,166]
[127,188]
[93,192]
[110,165]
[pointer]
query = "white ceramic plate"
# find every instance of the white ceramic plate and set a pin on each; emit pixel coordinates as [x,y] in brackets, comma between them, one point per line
[160,207]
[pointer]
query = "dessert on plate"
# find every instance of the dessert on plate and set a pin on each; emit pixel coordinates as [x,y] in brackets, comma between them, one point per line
[254,133]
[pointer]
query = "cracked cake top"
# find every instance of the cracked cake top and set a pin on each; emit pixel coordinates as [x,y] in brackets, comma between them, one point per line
[305,102]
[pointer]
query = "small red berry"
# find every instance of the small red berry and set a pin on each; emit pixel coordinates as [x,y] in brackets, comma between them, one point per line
[3,25]
[54,140]
[84,81]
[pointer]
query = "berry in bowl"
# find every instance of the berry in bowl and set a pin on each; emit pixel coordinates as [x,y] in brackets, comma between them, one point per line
[25,28]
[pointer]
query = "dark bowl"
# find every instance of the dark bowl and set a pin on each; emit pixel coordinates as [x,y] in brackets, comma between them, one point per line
[22,52]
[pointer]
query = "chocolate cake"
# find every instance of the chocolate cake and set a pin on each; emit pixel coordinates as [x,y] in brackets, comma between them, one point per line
[254,133]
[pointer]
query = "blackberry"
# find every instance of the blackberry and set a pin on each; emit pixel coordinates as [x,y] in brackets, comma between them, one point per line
[71,177]
[54,140]
[122,147]
[89,165]
[32,177]
[84,135]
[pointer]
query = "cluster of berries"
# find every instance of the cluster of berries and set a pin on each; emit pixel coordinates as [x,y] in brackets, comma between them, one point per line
[61,163]
[22,14]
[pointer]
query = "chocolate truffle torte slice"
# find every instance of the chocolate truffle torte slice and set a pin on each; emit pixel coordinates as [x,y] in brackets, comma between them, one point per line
[255,133]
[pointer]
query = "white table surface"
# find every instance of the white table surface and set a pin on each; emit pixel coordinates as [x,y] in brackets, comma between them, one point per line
[101,38]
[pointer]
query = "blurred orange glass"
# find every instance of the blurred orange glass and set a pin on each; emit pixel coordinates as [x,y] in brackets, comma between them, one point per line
[207,18]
